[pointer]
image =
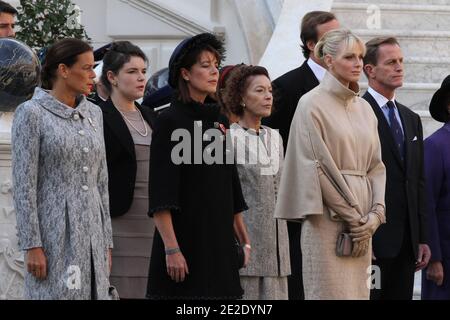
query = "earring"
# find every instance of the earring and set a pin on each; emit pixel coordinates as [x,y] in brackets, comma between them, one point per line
[243,105]
[186,79]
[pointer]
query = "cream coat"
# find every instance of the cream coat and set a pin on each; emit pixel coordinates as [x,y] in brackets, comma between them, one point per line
[333,176]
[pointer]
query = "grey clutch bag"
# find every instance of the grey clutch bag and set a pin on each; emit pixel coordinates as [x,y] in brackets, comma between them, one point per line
[344,245]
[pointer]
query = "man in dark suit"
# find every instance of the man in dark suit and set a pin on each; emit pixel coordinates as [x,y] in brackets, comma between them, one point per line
[399,246]
[288,89]
[7,20]
[101,93]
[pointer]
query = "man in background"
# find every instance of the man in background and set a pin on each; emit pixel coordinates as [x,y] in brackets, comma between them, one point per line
[399,246]
[7,20]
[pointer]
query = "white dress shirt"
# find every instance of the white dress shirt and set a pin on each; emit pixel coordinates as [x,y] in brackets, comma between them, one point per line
[382,103]
[317,69]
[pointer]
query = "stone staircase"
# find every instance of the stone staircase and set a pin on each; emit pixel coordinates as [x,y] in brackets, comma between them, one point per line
[423,30]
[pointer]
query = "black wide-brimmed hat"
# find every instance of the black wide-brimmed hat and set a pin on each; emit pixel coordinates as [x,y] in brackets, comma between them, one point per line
[198,42]
[438,107]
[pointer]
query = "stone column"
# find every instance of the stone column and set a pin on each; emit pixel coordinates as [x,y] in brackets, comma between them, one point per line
[257,25]
[284,52]
[11,259]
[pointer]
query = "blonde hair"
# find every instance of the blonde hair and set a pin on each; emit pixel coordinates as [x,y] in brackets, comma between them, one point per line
[332,42]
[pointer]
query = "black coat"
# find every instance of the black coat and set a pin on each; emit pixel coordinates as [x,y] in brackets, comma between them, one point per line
[405,184]
[288,89]
[203,199]
[121,156]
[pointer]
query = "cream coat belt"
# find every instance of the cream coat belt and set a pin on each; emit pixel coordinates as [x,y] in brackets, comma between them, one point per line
[353,173]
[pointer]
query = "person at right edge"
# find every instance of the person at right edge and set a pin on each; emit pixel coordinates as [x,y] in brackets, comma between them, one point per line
[399,246]
[288,89]
[435,279]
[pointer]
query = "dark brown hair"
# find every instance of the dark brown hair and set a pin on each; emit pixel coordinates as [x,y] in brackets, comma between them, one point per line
[7,8]
[236,85]
[65,51]
[373,46]
[191,58]
[309,28]
[224,74]
[116,56]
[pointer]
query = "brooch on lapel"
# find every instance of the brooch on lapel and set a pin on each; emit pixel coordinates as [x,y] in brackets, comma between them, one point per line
[220,126]
[92,124]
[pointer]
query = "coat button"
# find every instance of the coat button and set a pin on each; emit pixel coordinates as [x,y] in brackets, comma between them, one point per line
[81,132]
[85,150]
[76,116]
[85,188]
[85,169]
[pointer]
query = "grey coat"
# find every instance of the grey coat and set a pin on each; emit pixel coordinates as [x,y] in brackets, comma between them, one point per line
[260,175]
[60,183]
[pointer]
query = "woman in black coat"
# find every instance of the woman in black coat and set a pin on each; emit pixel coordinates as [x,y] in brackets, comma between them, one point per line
[127,130]
[196,202]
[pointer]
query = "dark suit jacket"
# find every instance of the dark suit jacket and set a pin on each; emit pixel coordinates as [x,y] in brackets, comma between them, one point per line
[405,184]
[96,99]
[288,89]
[120,156]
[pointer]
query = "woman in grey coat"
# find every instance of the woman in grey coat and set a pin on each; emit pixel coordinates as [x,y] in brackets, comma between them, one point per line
[258,151]
[61,182]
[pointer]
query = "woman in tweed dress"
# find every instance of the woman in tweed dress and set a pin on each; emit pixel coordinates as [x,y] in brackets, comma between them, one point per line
[248,94]
[61,181]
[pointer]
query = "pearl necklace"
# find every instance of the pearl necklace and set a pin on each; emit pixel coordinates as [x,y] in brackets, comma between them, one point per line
[131,123]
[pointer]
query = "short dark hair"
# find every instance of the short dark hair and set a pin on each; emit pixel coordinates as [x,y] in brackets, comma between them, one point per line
[117,55]
[309,28]
[236,85]
[65,51]
[191,58]
[373,46]
[7,8]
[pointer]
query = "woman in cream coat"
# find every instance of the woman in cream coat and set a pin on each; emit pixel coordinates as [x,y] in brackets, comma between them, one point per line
[333,175]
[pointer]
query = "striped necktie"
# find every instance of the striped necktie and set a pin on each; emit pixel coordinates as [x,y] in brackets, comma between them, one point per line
[396,129]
